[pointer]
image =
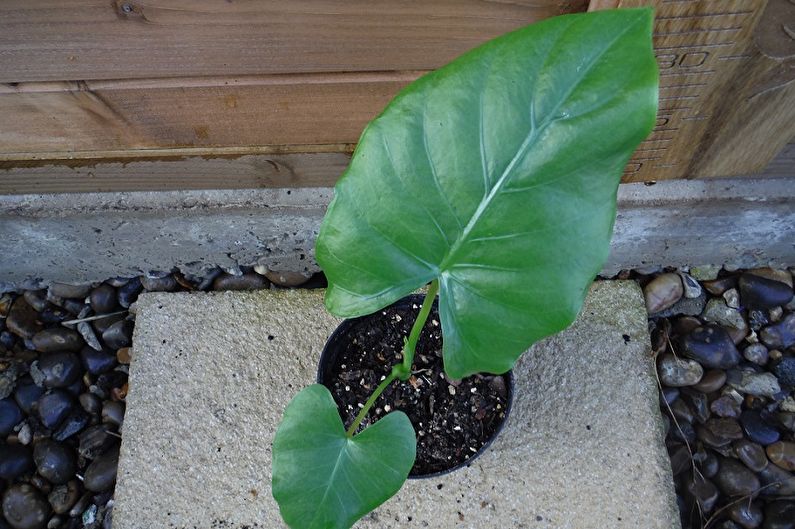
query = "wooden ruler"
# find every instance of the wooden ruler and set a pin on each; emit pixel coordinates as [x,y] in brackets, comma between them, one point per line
[727,104]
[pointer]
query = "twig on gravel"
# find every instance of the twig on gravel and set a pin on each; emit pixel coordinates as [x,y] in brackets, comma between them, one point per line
[676,422]
[748,497]
[92,318]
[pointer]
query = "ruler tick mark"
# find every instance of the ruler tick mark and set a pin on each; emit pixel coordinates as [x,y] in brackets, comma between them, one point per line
[706,15]
[696,31]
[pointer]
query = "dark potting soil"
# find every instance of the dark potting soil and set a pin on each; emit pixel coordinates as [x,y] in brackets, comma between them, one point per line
[453,419]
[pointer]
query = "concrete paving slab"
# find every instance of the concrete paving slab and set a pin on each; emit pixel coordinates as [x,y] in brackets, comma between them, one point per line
[212,373]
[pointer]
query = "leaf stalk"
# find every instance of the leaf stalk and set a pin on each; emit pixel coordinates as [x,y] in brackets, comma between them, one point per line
[403,369]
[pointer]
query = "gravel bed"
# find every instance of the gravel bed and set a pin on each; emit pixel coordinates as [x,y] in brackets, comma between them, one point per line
[723,340]
[64,357]
[724,343]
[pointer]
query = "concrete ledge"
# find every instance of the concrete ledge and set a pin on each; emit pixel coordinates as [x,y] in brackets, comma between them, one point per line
[90,237]
[212,373]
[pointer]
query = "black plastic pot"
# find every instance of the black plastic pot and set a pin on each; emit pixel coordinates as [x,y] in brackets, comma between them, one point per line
[339,337]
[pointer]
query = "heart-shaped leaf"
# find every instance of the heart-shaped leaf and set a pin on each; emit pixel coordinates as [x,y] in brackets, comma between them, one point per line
[496,174]
[323,479]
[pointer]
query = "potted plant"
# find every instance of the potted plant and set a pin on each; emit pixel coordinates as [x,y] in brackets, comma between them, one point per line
[493,181]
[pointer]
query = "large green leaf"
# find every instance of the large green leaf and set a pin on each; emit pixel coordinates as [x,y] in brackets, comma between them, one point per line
[323,479]
[496,174]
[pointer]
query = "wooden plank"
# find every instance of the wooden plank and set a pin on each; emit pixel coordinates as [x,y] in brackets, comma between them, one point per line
[174,173]
[726,107]
[169,173]
[55,40]
[87,117]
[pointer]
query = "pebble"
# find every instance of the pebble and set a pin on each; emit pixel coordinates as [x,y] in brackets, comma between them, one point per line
[128,294]
[56,339]
[101,473]
[782,453]
[102,324]
[27,395]
[752,383]
[15,460]
[159,284]
[74,422]
[22,320]
[60,370]
[705,273]
[757,319]
[10,416]
[97,362]
[725,428]
[113,413]
[36,299]
[709,465]
[752,454]
[735,479]
[662,292]
[685,307]
[712,346]
[89,336]
[56,462]
[54,406]
[780,335]
[90,403]
[746,513]
[757,429]
[250,281]
[94,440]
[25,434]
[699,403]
[756,353]
[704,491]
[718,312]
[679,372]
[680,459]
[64,290]
[119,334]
[712,381]
[124,355]
[10,370]
[706,436]
[764,293]
[725,406]
[286,279]
[103,299]
[717,287]
[780,514]
[24,507]
[785,371]
[692,288]
[777,481]
[681,411]
[63,497]
[732,298]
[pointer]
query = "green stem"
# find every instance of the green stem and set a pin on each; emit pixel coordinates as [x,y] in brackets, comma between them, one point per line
[402,370]
[411,344]
[369,404]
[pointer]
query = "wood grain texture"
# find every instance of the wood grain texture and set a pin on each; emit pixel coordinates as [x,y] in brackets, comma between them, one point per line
[169,173]
[87,117]
[726,107]
[174,173]
[55,40]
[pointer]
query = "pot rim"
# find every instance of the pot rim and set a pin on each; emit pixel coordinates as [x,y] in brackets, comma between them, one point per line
[327,356]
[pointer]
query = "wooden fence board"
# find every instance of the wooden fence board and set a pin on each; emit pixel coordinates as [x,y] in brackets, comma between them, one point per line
[175,173]
[55,40]
[727,105]
[112,116]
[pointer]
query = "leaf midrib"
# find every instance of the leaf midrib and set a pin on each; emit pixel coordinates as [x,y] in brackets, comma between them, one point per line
[526,144]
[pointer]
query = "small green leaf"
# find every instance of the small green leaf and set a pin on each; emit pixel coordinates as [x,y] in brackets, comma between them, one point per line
[496,174]
[323,479]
